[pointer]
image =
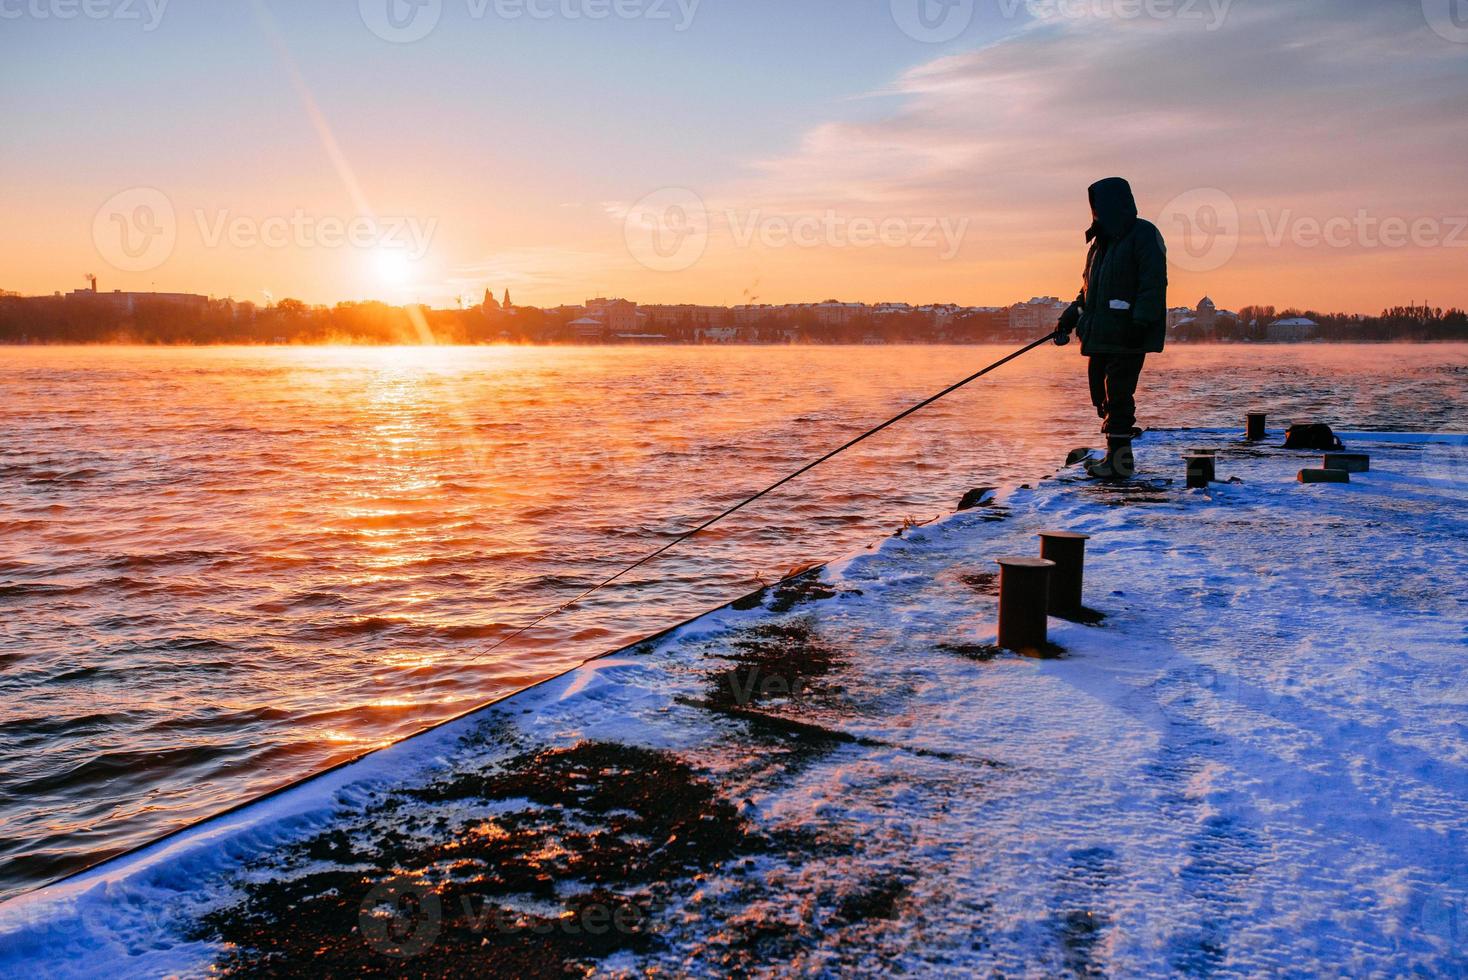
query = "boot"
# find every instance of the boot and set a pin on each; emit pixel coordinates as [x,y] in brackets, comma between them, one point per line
[1119,463]
[1133,433]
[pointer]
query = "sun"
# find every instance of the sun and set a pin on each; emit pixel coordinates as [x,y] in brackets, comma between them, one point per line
[393,267]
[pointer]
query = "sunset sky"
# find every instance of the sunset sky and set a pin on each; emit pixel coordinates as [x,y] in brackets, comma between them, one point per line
[1294,152]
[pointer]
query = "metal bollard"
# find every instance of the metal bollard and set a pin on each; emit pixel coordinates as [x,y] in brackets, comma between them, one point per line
[1256,426]
[1067,549]
[1024,595]
[1202,470]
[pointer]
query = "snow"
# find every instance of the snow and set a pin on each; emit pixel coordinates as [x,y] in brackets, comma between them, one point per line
[1256,763]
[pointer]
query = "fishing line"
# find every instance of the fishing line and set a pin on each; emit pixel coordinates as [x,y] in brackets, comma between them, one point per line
[763,493]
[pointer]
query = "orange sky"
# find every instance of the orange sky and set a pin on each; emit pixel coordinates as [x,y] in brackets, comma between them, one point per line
[1304,157]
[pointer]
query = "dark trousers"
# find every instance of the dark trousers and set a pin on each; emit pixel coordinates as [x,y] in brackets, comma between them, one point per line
[1114,389]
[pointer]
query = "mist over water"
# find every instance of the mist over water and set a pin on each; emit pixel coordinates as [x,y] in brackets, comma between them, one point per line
[223,569]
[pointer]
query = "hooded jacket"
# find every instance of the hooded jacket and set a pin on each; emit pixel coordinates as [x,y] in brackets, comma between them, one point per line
[1123,302]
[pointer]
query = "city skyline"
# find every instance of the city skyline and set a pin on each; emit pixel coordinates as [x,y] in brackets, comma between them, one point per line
[95,287]
[91,316]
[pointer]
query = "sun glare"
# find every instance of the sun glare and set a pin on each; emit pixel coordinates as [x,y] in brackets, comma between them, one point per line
[393,267]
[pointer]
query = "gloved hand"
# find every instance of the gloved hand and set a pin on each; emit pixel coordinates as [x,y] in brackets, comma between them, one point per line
[1070,319]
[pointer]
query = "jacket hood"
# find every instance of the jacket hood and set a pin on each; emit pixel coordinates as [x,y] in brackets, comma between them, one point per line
[1113,208]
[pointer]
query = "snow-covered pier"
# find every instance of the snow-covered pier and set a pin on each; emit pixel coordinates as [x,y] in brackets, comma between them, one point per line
[1250,756]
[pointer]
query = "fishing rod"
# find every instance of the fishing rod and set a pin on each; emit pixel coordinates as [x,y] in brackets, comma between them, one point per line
[764,493]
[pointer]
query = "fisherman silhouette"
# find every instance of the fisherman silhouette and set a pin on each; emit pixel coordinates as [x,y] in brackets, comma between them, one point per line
[1120,314]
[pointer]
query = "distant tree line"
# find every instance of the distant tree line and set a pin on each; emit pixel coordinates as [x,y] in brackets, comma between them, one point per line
[1416,324]
[79,321]
[67,320]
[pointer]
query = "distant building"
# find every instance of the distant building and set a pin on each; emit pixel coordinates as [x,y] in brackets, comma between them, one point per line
[972,324]
[618,316]
[752,314]
[1292,330]
[686,316]
[588,328]
[128,302]
[1037,317]
[1194,325]
[834,314]
[937,316]
[716,335]
[891,309]
[1206,318]
[604,319]
[1206,323]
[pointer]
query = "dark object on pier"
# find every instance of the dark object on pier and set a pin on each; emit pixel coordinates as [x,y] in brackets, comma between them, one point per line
[1324,476]
[1256,426]
[1202,470]
[1348,462]
[1067,549]
[1311,435]
[1076,456]
[1024,598]
[977,497]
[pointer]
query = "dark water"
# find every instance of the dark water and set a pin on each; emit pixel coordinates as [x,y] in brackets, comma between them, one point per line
[224,569]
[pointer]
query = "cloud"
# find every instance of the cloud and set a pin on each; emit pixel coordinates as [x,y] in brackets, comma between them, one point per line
[540,270]
[1320,106]
[1315,109]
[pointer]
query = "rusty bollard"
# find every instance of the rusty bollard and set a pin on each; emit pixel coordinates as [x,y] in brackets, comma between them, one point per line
[1202,470]
[1256,426]
[1067,549]
[1024,598]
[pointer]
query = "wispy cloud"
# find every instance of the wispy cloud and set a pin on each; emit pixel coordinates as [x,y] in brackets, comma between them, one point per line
[964,177]
[1322,107]
[552,271]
